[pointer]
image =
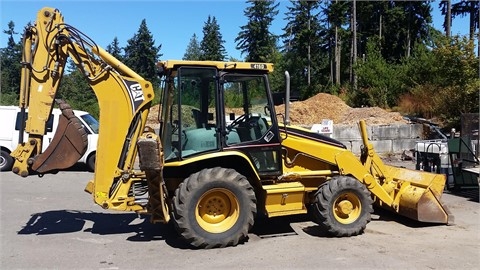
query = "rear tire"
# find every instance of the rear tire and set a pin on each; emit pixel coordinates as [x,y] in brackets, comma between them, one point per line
[214,208]
[343,206]
[91,162]
[6,161]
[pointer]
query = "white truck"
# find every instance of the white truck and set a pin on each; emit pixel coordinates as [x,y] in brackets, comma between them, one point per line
[9,136]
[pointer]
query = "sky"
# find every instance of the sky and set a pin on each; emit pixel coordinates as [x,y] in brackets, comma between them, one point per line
[171,23]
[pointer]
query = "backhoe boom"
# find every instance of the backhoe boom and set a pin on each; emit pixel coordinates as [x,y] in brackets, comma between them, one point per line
[122,95]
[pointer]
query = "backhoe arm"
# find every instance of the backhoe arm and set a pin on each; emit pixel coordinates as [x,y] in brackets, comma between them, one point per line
[124,99]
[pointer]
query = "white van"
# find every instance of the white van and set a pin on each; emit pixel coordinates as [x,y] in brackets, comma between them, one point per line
[10,125]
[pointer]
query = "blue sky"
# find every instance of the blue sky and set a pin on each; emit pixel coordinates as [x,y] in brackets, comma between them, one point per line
[172,23]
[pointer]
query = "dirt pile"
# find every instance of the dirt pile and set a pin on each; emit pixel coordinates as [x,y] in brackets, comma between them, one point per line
[325,106]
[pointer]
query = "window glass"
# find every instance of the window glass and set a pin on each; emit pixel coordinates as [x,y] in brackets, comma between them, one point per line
[246,108]
[91,122]
[193,118]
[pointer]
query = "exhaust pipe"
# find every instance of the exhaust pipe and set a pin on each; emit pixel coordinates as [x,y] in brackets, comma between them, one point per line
[287,98]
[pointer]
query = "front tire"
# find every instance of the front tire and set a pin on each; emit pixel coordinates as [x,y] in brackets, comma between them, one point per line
[6,161]
[214,208]
[343,206]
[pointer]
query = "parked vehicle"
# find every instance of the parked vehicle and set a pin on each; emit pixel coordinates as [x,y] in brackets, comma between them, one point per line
[209,178]
[11,124]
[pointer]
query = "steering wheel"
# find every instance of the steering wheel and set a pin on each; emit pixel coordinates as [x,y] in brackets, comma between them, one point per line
[236,121]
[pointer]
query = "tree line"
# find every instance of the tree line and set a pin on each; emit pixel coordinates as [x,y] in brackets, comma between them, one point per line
[370,53]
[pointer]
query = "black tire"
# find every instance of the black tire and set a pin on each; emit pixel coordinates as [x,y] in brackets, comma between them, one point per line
[343,206]
[214,208]
[91,162]
[6,161]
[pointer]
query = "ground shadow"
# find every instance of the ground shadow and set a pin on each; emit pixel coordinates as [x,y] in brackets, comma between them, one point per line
[276,226]
[387,215]
[471,194]
[282,226]
[70,221]
[78,167]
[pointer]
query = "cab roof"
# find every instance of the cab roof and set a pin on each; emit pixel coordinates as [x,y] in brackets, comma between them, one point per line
[245,66]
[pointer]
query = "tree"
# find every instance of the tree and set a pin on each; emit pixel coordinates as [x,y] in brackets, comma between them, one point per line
[212,43]
[443,80]
[11,58]
[353,55]
[406,23]
[193,51]
[370,22]
[76,91]
[446,10]
[378,80]
[114,49]
[141,54]
[470,8]
[255,40]
[399,25]
[302,48]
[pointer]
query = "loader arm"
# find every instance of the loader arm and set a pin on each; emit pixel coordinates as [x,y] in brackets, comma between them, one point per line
[414,194]
[124,99]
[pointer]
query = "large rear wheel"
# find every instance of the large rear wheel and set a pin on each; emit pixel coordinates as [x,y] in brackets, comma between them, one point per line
[91,162]
[214,208]
[343,206]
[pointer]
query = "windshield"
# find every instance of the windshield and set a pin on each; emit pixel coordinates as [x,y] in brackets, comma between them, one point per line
[91,122]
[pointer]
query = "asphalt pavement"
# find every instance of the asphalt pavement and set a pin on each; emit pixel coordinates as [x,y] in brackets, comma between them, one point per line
[51,223]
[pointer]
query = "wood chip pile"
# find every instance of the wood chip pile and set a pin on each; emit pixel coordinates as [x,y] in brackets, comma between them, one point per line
[325,106]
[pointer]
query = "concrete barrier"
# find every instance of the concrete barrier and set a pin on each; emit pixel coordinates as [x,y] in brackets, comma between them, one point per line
[384,138]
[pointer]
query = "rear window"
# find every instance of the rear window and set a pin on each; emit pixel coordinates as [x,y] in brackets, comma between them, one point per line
[18,122]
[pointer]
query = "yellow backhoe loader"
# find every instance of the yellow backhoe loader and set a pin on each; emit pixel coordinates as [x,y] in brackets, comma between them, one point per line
[220,156]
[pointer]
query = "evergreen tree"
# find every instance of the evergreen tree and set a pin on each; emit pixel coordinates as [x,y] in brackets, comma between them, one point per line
[212,43]
[406,23]
[302,48]
[114,49]
[255,40]
[446,10]
[141,54]
[370,23]
[336,17]
[470,8]
[11,57]
[76,91]
[193,51]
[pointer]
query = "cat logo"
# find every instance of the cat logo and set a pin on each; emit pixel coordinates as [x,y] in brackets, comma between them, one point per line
[137,92]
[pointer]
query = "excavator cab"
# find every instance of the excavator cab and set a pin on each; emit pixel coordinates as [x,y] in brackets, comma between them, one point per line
[215,109]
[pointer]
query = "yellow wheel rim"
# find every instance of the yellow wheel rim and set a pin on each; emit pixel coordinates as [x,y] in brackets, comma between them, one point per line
[347,208]
[217,210]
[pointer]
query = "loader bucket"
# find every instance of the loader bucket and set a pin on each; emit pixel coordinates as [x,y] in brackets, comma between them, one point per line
[419,195]
[67,146]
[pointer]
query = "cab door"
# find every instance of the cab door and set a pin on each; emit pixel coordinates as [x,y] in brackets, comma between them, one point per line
[250,122]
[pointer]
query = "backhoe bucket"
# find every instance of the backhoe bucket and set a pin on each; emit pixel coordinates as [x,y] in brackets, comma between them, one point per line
[419,195]
[67,146]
